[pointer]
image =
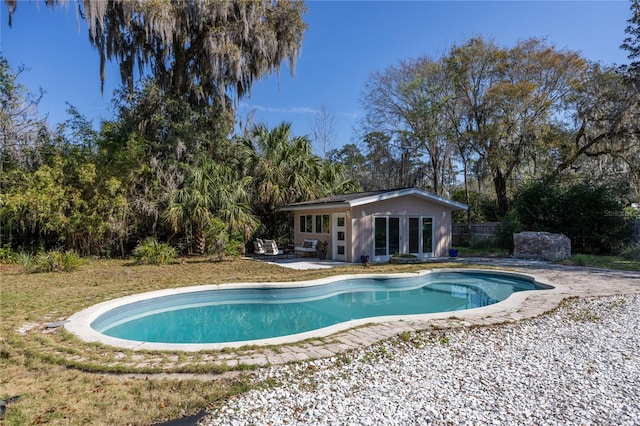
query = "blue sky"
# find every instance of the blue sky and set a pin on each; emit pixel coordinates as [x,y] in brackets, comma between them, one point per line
[346,42]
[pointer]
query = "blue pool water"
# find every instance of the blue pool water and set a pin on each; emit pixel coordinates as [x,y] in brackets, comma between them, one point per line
[218,316]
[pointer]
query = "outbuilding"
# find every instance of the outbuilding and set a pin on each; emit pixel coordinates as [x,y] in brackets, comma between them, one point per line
[377,224]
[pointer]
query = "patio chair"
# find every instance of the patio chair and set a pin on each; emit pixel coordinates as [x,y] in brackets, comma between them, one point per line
[258,247]
[271,248]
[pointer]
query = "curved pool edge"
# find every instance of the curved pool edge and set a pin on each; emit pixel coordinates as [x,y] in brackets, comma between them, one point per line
[79,323]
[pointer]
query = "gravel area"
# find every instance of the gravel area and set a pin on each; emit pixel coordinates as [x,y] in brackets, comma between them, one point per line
[579,365]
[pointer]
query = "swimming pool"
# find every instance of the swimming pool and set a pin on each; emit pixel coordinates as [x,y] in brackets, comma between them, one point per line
[262,313]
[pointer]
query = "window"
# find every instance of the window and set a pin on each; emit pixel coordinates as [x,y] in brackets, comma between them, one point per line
[322,224]
[306,223]
[386,236]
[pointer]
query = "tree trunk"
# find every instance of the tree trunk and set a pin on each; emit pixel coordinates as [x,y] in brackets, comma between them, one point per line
[466,190]
[500,184]
[199,241]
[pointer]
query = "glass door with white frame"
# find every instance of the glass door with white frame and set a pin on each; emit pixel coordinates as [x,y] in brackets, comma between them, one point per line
[421,236]
[339,248]
[386,237]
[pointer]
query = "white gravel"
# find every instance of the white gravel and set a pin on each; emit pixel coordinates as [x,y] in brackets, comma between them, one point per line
[577,366]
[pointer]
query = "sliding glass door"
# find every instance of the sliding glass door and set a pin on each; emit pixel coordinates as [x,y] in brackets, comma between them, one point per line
[421,235]
[386,236]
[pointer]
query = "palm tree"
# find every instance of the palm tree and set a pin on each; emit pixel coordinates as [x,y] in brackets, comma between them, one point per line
[284,171]
[211,189]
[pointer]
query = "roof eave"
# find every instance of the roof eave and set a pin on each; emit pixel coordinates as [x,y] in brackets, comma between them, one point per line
[454,205]
[314,207]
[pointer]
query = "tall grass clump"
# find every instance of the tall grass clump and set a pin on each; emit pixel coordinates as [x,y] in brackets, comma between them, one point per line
[49,261]
[152,252]
[26,260]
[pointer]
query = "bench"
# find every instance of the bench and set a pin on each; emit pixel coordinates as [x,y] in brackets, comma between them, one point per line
[307,247]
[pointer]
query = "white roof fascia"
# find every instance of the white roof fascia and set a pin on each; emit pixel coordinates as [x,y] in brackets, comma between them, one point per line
[407,191]
[454,205]
[315,207]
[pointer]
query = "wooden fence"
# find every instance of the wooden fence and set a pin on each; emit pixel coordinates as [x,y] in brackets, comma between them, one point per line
[463,234]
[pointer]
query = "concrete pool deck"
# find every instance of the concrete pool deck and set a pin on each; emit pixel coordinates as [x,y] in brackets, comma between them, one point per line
[569,282]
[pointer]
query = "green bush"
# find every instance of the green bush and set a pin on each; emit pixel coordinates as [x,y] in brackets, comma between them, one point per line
[482,208]
[7,255]
[57,261]
[580,259]
[404,256]
[152,252]
[216,238]
[509,225]
[234,246]
[69,261]
[49,261]
[45,261]
[631,252]
[590,215]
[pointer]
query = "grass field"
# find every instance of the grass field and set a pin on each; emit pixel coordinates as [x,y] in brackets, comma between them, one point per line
[62,380]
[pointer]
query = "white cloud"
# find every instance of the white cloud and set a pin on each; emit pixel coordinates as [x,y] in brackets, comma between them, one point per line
[279,110]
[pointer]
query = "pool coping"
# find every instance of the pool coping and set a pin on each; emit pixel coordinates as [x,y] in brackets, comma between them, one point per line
[79,323]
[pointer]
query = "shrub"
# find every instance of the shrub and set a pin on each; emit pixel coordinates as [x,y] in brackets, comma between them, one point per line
[152,252]
[57,261]
[631,252]
[509,225]
[404,255]
[590,215]
[234,247]
[69,261]
[49,261]
[7,255]
[580,259]
[216,238]
[45,261]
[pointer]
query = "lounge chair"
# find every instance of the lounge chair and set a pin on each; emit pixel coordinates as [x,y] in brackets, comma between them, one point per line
[308,247]
[271,248]
[258,247]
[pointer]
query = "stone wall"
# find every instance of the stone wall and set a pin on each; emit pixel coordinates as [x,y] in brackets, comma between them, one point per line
[541,246]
